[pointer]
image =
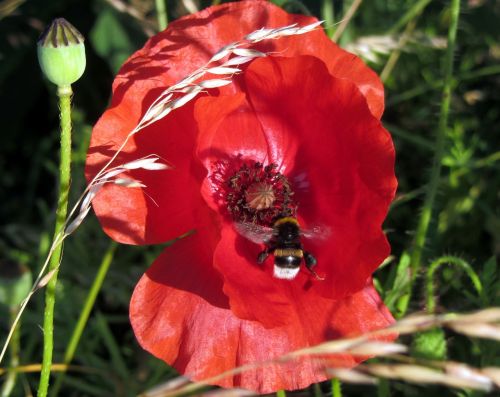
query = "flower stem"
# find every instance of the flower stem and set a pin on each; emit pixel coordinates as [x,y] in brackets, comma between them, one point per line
[394,57]
[431,301]
[317,390]
[346,19]
[328,15]
[424,88]
[427,209]
[64,94]
[336,388]
[383,388]
[161,14]
[410,15]
[85,313]
[487,161]
[280,393]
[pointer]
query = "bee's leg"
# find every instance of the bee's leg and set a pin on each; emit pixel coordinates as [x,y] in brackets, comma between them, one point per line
[264,254]
[311,262]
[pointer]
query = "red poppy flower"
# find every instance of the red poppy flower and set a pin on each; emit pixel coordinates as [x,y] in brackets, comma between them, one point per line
[297,133]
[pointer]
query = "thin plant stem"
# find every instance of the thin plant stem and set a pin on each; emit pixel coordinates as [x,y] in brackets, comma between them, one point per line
[410,19]
[336,388]
[383,388]
[487,161]
[10,381]
[113,347]
[394,57]
[427,209]
[55,367]
[297,6]
[64,94]
[436,84]
[347,18]
[317,390]
[328,15]
[410,137]
[280,393]
[161,14]
[410,15]
[453,260]
[85,313]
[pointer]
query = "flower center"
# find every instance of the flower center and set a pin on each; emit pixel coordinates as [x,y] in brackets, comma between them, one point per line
[259,194]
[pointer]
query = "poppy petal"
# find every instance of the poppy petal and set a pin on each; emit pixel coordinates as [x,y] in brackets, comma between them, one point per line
[345,162]
[138,216]
[189,42]
[186,322]
[167,206]
[205,306]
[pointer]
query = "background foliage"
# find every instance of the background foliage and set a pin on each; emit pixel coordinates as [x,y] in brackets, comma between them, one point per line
[466,221]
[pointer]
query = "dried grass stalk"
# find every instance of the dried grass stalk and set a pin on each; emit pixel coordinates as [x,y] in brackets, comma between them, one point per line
[448,373]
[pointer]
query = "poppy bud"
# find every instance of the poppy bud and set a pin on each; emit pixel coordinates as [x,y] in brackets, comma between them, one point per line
[61,53]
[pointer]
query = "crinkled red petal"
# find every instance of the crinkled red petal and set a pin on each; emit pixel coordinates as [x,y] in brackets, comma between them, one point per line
[180,315]
[168,205]
[343,168]
[161,211]
[190,42]
[336,154]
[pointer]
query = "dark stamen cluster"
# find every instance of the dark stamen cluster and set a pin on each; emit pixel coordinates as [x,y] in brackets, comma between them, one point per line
[259,194]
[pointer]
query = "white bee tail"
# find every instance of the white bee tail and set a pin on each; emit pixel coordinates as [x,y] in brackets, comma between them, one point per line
[286,273]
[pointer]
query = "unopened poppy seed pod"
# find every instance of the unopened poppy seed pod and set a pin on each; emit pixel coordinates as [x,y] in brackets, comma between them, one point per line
[61,53]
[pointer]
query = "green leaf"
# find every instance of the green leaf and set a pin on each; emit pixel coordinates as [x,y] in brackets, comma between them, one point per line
[400,284]
[111,40]
[279,3]
[15,283]
[490,281]
[429,345]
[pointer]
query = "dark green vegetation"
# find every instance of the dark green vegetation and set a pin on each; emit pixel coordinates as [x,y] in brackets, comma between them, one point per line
[407,48]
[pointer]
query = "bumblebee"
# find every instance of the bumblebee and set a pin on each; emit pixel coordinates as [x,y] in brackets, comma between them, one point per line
[283,241]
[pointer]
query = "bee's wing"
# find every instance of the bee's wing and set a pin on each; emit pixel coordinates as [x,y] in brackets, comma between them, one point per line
[255,233]
[318,232]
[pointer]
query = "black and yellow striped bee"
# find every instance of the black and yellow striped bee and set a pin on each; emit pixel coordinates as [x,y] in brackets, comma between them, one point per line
[283,241]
